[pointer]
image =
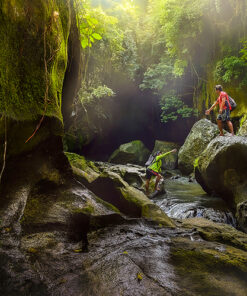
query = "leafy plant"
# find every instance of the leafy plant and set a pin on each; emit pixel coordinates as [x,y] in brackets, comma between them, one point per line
[243,51]
[232,69]
[90,29]
[92,95]
[157,77]
[173,108]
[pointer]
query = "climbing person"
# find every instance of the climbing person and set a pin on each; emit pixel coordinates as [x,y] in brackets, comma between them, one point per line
[224,110]
[154,169]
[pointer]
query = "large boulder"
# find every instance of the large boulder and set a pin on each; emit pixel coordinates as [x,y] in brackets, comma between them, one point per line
[33,53]
[55,236]
[200,258]
[170,161]
[129,200]
[133,174]
[84,168]
[107,183]
[134,152]
[199,137]
[222,168]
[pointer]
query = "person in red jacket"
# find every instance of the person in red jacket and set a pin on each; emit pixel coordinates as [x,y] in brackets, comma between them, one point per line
[224,110]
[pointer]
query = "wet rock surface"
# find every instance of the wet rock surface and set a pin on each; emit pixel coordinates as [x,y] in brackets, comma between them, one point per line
[134,175]
[134,258]
[60,238]
[108,184]
[222,168]
[199,137]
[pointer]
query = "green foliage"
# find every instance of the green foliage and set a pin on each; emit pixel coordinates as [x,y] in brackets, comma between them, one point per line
[180,22]
[102,92]
[89,27]
[179,67]
[92,95]
[229,68]
[165,46]
[157,77]
[243,51]
[232,69]
[173,108]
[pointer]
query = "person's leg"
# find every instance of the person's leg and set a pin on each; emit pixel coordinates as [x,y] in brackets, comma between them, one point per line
[148,178]
[220,126]
[230,126]
[229,123]
[157,181]
[147,185]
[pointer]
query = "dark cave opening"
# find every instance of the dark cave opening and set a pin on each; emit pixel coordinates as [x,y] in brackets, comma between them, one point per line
[136,117]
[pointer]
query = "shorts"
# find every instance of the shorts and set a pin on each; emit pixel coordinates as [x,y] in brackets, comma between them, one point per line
[150,173]
[225,116]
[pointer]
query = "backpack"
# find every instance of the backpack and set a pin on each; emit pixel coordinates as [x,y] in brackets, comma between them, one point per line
[232,103]
[151,158]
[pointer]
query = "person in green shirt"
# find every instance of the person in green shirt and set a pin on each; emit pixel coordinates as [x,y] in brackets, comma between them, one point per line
[154,169]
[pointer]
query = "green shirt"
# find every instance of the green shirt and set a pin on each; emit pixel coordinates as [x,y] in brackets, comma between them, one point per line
[156,165]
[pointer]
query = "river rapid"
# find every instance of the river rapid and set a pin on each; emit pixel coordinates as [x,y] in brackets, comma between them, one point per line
[185,199]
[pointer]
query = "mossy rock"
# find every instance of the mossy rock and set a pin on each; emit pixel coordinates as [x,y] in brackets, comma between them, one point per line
[213,263]
[19,131]
[33,62]
[134,152]
[134,175]
[217,232]
[34,56]
[110,187]
[83,168]
[222,169]
[199,137]
[49,204]
[106,182]
[205,268]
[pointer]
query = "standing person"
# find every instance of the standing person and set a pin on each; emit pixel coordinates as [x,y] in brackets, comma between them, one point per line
[154,169]
[224,110]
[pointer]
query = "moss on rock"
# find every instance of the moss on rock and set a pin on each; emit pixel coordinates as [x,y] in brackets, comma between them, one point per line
[207,269]
[33,50]
[217,232]
[34,56]
[199,137]
[82,167]
[133,152]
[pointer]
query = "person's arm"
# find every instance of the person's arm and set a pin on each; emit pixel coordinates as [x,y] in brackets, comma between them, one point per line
[164,154]
[211,108]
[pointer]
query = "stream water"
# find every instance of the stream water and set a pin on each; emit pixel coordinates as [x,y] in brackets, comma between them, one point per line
[184,199]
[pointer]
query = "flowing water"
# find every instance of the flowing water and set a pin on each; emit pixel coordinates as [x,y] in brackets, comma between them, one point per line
[184,199]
